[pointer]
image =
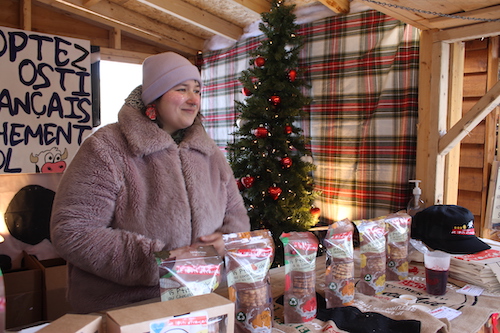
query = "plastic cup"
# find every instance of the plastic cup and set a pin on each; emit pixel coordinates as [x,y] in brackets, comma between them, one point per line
[410,299]
[437,265]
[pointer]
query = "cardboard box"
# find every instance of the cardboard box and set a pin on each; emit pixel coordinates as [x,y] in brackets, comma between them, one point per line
[55,285]
[75,323]
[139,318]
[23,294]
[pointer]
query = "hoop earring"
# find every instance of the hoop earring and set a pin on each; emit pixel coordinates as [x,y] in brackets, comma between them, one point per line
[151,111]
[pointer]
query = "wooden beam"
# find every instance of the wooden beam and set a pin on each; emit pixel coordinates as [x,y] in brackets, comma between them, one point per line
[433,102]
[127,56]
[423,130]
[115,38]
[491,134]
[122,55]
[338,6]
[475,31]
[470,120]
[452,160]
[25,15]
[492,12]
[258,6]
[200,18]
[88,3]
[439,111]
[111,15]
[408,17]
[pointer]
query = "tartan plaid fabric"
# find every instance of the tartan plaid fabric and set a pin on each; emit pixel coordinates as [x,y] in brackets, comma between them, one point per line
[363,71]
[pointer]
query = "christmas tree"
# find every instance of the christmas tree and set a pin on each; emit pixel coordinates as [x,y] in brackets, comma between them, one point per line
[269,156]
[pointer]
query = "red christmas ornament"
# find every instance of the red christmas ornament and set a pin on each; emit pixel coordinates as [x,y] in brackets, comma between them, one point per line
[240,185]
[274,191]
[288,129]
[315,212]
[246,91]
[275,100]
[247,181]
[286,162]
[259,61]
[261,132]
[292,74]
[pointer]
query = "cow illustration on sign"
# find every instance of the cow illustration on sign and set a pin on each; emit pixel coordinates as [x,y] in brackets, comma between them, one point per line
[50,161]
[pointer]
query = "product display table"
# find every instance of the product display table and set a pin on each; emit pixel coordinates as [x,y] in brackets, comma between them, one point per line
[473,313]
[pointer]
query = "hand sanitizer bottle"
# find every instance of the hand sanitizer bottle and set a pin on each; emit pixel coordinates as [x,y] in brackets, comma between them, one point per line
[416,204]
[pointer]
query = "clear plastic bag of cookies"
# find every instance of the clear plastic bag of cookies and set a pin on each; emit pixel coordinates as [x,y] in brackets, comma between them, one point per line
[398,238]
[300,249]
[372,254]
[249,256]
[339,275]
[188,271]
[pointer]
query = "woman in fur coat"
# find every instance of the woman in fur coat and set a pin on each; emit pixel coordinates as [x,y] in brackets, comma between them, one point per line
[152,181]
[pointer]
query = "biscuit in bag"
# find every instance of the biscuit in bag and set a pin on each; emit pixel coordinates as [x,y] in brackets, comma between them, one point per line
[372,243]
[300,250]
[339,275]
[398,238]
[249,256]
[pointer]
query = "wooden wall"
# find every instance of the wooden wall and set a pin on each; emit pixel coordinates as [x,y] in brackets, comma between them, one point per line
[477,150]
[115,44]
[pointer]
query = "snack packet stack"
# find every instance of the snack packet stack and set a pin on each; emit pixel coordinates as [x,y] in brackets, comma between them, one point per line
[339,275]
[300,276]
[188,271]
[249,256]
[398,238]
[373,256]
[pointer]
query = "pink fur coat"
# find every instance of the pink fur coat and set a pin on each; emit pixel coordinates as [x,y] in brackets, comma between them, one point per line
[131,191]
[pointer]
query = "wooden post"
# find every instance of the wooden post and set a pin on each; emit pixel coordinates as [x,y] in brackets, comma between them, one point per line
[433,108]
[25,14]
[457,59]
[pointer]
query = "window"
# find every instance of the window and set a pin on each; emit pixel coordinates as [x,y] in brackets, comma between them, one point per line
[118,79]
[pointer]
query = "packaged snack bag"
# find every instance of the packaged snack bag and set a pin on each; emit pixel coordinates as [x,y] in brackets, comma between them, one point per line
[188,271]
[339,275]
[398,237]
[373,256]
[249,256]
[300,276]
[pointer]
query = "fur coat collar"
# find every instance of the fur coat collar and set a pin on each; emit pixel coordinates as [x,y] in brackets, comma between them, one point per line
[144,142]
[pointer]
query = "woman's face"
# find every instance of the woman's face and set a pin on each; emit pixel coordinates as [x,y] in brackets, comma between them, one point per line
[178,107]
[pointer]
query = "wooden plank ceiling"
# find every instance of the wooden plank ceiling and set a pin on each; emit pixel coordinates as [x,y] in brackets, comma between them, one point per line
[186,25]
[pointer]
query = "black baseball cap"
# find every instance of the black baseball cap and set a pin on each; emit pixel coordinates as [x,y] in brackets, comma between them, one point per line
[449,228]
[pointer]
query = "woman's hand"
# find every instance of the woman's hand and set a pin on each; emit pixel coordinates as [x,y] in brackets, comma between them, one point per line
[214,239]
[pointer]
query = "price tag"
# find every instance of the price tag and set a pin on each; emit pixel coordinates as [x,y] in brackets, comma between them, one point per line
[445,312]
[470,290]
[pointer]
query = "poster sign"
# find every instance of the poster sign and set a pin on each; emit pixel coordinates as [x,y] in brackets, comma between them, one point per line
[45,100]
